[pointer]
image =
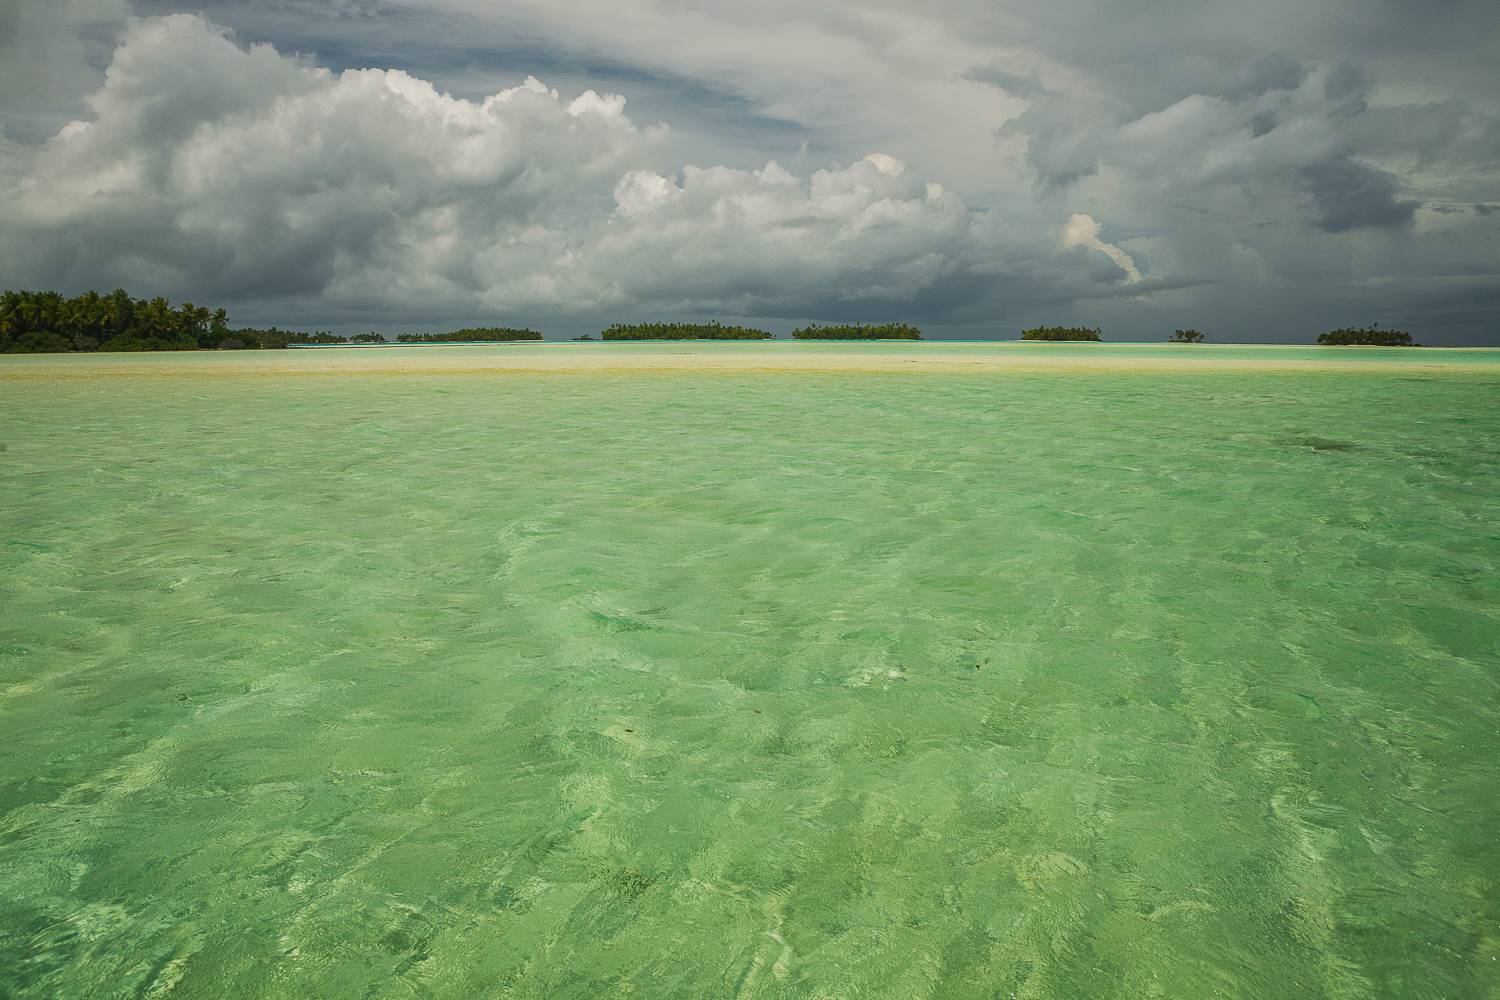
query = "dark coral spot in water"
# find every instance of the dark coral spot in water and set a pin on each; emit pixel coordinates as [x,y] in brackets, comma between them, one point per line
[1310,707]
[630,882]
[620,623]
[1320,444]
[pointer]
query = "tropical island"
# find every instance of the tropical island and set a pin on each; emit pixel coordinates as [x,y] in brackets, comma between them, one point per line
[470,335]
[1062,333]
[1370,336]
[682,331]
[858,331]
[43,322]
[50,323]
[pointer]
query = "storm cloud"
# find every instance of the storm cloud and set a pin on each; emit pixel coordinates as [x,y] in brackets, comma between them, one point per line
[972,169]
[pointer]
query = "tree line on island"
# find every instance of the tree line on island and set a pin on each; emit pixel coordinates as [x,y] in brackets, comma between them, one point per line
[49,322]
[1062,333]
[719,331]
[858,331]
[1370,336]
[682,331]
[36,322]
[470,335]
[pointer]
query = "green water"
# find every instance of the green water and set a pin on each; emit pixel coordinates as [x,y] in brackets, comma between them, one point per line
[784,685]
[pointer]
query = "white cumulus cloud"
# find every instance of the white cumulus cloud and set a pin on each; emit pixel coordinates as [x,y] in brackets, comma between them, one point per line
[216,171]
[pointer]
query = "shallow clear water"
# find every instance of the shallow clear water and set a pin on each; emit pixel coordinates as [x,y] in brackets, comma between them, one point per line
[1046,684]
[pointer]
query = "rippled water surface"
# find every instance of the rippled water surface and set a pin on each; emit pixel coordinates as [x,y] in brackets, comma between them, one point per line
[847,684]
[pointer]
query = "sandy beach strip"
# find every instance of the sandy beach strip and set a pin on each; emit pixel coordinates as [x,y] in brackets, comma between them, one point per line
[565,358]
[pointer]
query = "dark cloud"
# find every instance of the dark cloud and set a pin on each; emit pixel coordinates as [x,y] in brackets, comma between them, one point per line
[1019,84]
[1348,195]
[1062,141]
[1261,74]
[52,53]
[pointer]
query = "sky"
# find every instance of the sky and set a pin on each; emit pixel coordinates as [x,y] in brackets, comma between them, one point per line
[1262,172]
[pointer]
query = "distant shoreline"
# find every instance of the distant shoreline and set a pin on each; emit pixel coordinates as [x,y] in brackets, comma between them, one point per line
[1085,345]
[779,357]
[425,343]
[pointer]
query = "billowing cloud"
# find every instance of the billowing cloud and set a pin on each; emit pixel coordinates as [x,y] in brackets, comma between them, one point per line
[240,171]
[216,170]
[870,232]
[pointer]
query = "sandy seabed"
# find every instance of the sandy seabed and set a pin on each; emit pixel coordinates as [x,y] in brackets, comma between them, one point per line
[755,670]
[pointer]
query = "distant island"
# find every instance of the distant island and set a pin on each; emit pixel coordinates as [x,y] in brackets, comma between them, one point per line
[1061,333]
[470,335]
[858,331]
[49,323]
[1370,336]
[682,331]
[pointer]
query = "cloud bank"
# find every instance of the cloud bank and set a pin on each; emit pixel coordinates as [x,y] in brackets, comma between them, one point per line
[224,171]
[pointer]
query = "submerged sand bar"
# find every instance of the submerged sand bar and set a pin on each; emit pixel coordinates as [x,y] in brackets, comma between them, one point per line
[781,356]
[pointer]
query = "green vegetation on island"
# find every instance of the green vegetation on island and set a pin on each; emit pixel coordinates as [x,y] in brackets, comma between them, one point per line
[858,331]
[46,322]
[275,338]
[1370,336]
[49,322]
[470,335]
[682,331]
[1061,333]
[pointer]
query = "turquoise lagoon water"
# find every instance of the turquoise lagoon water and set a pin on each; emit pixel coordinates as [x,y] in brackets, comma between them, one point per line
[791,684]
